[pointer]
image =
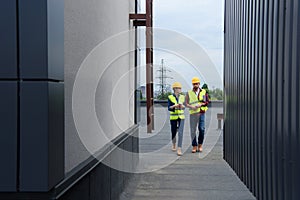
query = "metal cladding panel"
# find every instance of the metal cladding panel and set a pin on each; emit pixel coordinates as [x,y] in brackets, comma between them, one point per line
[33,39]
[56,137]
[34,136]
[274,111]
[41,38]
[268,104]
[8,39]
[295,98]
[55,15]
[279,119]
[261,79]
[286,118]
[8,136]
[41,135]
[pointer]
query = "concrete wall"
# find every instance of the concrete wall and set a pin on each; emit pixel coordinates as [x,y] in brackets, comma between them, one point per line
[88,23]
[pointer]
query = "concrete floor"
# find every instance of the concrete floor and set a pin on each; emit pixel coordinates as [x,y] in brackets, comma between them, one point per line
[161,174]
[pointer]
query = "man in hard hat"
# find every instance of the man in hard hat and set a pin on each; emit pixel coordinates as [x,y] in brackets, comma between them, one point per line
[176,108]
[196,100]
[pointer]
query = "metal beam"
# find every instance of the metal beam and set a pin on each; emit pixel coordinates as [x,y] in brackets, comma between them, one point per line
[139,23]
[137,16]
[152,89]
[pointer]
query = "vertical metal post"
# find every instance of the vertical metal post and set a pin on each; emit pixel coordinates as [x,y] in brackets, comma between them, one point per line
[149,67]
[151,52]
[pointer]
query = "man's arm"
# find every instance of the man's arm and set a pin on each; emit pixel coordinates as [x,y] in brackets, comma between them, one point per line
[187,102]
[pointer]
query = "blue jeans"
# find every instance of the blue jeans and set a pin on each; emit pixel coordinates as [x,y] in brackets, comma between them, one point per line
[177,125]
[200,121]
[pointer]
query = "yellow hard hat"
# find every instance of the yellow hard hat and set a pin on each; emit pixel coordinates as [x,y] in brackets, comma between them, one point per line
[195,80]
[176,85]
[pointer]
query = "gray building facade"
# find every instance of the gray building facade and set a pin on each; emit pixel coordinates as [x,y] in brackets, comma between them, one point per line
[262,88]
[32,88]
[43,46]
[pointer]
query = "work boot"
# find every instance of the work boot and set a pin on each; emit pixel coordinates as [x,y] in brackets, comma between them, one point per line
[194,149]
[200,148]
[174,147]
[179,153]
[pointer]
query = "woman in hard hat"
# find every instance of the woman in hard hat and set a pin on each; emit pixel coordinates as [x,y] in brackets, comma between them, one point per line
[176,108]
[197,101]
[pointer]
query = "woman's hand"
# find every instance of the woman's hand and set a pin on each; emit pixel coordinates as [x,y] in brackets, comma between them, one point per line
[181,106]
[174,106]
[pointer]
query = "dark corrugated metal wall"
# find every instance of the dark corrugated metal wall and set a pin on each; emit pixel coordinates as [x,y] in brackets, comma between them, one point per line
[262,88]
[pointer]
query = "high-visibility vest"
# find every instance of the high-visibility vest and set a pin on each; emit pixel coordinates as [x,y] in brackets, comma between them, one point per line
[178,113]
[194,100]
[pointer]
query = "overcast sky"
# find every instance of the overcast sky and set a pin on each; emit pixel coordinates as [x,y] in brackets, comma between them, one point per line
[202,22]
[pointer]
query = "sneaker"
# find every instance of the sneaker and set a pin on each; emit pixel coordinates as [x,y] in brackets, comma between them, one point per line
[179,153]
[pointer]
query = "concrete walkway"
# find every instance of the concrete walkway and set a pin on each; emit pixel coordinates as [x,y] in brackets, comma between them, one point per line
[162,174]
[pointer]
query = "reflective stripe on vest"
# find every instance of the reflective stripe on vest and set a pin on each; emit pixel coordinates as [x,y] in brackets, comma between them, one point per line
[178,113]
[201,99]
[193,100]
